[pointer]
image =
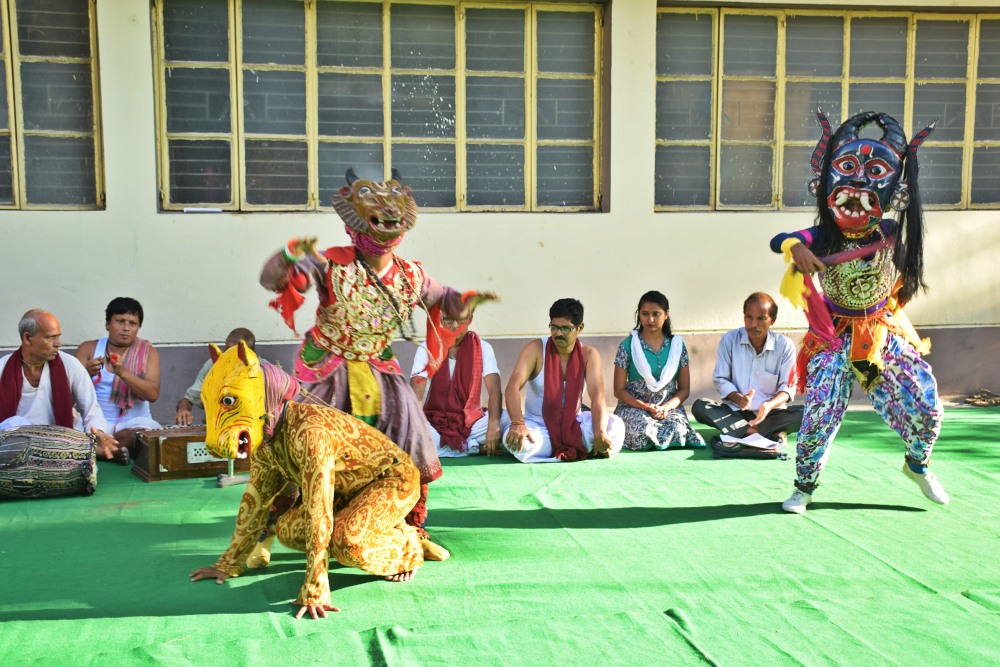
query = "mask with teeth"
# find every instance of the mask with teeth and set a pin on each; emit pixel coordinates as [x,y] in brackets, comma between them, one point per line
[376,214]
[862,174]
[856,180]
[235,406]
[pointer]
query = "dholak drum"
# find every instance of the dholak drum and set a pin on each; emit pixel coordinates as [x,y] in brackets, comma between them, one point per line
[45,461]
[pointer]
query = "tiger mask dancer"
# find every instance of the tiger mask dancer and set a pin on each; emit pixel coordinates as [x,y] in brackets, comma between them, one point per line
[376,214]
[235,403]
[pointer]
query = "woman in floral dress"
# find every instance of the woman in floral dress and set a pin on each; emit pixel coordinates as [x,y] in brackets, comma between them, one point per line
[652,380]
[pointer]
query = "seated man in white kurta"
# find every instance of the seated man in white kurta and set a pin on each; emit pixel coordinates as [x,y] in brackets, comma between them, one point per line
[452,404]
[556,369]
[40,386]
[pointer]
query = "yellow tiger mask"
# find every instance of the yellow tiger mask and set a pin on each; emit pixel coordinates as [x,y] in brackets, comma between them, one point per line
[234,398]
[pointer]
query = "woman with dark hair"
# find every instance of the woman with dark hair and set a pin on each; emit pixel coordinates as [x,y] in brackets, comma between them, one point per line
[652,380]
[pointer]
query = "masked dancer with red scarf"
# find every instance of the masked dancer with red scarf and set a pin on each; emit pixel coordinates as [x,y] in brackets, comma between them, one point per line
[458,422]
[555,369]
[367,295]
[870,267]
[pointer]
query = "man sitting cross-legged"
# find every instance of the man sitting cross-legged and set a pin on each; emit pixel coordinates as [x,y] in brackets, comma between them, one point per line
[39,385]
[555,369]
[125,370]
[357,486]
[452,406]
[751,374]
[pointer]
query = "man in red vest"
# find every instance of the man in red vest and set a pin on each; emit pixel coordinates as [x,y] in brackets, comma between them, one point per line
[39,385]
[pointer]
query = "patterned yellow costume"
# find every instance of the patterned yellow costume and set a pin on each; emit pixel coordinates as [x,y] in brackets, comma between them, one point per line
[356,485]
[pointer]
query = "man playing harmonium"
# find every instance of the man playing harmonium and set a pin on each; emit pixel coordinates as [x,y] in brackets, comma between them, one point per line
[192,397]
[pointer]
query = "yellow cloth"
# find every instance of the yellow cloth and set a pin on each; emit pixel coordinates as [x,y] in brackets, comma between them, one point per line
[793,285]
[366,400]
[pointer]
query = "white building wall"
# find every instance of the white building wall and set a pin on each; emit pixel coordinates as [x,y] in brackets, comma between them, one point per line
[196,275]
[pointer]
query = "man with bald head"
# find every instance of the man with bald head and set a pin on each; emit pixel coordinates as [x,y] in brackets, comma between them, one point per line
[40,386]
[192,397]
[751,374]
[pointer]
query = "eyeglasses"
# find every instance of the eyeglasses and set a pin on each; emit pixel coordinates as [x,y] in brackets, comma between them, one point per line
[564,330]
[448,322]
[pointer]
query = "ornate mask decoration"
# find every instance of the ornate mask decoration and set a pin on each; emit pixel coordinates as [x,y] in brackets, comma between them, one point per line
[865,176]
[384,211]
[235,404]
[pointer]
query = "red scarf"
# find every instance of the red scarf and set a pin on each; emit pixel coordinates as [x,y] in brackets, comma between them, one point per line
[452,405]
[10,389]
[559,409]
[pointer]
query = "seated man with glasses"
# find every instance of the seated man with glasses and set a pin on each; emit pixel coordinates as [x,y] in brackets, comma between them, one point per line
[555,369]
[458,422]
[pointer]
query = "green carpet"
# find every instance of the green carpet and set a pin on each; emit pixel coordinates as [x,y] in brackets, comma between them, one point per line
[659,558]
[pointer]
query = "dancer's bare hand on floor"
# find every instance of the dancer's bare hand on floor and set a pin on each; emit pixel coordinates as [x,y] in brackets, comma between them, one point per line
[209,573]
[315,610]
[516,436]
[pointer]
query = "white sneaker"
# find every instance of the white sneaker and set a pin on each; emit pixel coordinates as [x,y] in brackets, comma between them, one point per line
[797,503]
[929,484]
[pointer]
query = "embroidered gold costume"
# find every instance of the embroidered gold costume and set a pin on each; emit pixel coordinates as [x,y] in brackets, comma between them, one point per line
[356,485]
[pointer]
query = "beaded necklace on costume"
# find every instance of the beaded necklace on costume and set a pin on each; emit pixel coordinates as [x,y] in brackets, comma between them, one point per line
[412,336]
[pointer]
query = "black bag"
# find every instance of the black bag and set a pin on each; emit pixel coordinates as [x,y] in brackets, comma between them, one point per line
[734,450]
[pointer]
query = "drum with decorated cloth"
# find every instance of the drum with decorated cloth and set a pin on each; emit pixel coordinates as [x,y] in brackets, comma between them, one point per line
[46,461]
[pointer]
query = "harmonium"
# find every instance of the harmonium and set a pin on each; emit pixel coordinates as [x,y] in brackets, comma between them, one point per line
[178,453]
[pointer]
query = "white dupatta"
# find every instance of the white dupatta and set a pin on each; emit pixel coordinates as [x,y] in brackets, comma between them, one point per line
[669,369]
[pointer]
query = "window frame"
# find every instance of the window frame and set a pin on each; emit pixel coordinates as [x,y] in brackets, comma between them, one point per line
[12,60]
[713,78]
[237,136]
[781,79]
[970,115]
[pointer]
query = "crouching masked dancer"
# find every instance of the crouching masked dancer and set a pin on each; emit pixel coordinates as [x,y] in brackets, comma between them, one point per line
[367,295]
[870,267]
[356,485]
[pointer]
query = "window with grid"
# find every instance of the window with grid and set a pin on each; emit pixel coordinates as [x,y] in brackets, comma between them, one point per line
[50,144]
[265,104]
[737,92]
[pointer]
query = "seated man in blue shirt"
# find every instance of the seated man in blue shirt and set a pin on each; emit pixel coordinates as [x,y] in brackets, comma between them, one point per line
[751,375]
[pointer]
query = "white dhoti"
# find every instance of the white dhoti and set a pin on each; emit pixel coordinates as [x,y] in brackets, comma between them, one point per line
[540,451]
[477,437]
[15,422]
[138,423]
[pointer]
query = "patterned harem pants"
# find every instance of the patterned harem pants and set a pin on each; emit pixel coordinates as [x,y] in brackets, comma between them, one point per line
[906,397]
[369,531]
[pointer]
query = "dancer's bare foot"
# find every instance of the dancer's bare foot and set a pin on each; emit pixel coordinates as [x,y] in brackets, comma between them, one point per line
[402,576]
[433,551]
[261,554]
